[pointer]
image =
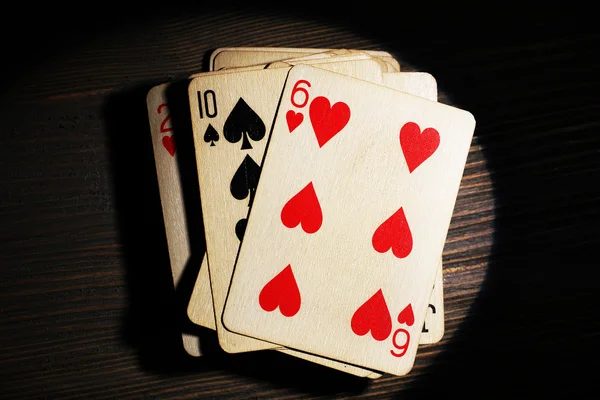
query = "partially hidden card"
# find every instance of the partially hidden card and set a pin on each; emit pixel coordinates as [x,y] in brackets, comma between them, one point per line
[348,221]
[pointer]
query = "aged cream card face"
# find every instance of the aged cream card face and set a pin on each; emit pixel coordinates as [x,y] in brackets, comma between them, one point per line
[349,220]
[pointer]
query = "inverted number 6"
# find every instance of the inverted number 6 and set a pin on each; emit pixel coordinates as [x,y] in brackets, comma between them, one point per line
[402,347]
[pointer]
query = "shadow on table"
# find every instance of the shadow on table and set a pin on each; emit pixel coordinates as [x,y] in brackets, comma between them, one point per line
[151,325]
[157,313]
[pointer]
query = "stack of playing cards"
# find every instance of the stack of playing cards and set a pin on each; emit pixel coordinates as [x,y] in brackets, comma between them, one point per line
[327,184]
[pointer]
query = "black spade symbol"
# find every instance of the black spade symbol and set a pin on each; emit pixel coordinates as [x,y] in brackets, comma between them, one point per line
[211,135]
[240,228]
[245,180]
[244,123]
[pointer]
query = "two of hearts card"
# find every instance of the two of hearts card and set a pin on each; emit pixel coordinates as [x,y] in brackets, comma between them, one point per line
[327,181]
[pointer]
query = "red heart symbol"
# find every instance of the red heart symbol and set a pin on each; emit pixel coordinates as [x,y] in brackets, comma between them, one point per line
[418,146]
[327,121]
[281,291]
[394,233]
[303,208]
[373,316]
[406,316]
[169,144]
[293,119]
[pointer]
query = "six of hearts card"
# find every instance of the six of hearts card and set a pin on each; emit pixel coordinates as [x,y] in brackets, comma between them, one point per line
[344,233]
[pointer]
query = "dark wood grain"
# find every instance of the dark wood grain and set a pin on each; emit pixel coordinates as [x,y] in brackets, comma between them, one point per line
[87,307]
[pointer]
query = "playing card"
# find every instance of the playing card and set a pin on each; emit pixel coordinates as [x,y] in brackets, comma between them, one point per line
[348,220]
[205,316]
[243,56]
[231,114]
[171,196]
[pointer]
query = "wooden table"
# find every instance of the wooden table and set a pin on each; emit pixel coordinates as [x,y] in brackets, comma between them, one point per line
[87,305]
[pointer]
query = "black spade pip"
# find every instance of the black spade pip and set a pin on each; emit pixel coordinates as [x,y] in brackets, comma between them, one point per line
[245,180]
[240,228]
[211,135]
[243,184]
[243,123]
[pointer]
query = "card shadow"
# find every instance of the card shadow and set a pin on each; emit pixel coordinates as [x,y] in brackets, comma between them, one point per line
[150,325]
